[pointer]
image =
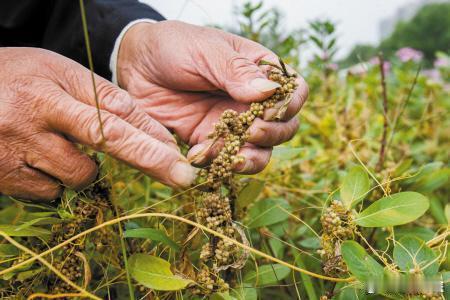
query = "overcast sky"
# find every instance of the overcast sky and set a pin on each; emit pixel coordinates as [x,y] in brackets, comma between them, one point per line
[358,20]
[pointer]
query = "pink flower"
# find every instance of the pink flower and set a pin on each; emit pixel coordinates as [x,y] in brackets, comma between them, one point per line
[441,62]
[375,61]
[409,54]
[332,66]
[432,75]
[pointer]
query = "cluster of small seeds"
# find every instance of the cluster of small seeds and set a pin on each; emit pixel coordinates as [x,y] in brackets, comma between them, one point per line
[85,214]
[432,297]
[232,129]
[338,225]
[215,210]
[209,282]
[215,213]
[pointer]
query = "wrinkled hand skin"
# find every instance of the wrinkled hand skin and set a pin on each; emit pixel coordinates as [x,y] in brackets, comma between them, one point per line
[185,76]
[47,102]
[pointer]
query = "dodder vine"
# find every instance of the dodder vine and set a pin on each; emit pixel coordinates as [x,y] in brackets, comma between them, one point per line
[216,208]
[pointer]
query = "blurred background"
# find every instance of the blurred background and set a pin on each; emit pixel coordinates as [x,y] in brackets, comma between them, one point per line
[362,27]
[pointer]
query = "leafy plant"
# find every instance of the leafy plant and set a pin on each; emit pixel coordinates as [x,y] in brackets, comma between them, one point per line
[320,222]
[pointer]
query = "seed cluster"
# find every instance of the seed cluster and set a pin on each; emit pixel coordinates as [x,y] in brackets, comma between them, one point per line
[232,129]
[68,261]
[338,225]
[215,209]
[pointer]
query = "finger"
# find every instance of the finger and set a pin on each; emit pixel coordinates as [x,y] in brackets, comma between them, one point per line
[204,152]
[240,77]
[118,102]
[256,52]
[77,82]
[121,140]
[59,158]
[267,134]
[255,158]
[298,99]
[30,184]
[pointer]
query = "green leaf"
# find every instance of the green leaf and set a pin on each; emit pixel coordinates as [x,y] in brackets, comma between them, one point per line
[11,213]
[267,212]
[354,186]
[22,276]
[422,233]
[362,266]
[8,250]
[411,252]
[13,230]
[221,296]
[267,274]
[152,234]
[38,221]
[316,41]
[310,243]
[446,280]
[286,153]
[244,292]
[437,210]
[154,272]
[396,209]
[350,293]
[250,192]
[306,279]
[431,182]
[447,213]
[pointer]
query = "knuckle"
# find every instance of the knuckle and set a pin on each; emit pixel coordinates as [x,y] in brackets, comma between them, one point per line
[95,137]
[84,174]
[293,128]
[117,101]
[262,160]
[8,168]
[48,192]
[113,130]
[238,66]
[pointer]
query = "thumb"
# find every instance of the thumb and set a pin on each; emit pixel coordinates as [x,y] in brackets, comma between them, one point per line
[243,80]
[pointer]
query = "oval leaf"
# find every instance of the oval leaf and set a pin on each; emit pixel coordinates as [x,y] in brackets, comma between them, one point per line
[362,266]
[267,212]
[13,230]
[286,153]
[267,274]
[354,186]
[154,272]
[152,234]
[250,192]
[411,252]
[432,181]
[396,209]
[8,250]
[244,292]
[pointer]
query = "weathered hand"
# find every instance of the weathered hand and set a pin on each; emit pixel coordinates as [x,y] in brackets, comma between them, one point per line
[47,99]
[185,76]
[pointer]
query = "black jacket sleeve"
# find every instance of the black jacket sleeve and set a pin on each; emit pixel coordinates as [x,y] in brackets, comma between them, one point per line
[56,25]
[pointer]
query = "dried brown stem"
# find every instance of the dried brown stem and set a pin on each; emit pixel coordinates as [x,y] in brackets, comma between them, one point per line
[385,114]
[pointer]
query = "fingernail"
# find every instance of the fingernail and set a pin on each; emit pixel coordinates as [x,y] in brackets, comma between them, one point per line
[183,174]
[254,134]
[246,166]
[270,113]
[264,85]
[197,154]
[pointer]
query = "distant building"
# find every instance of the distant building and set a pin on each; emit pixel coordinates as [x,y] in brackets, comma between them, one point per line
[404,13]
